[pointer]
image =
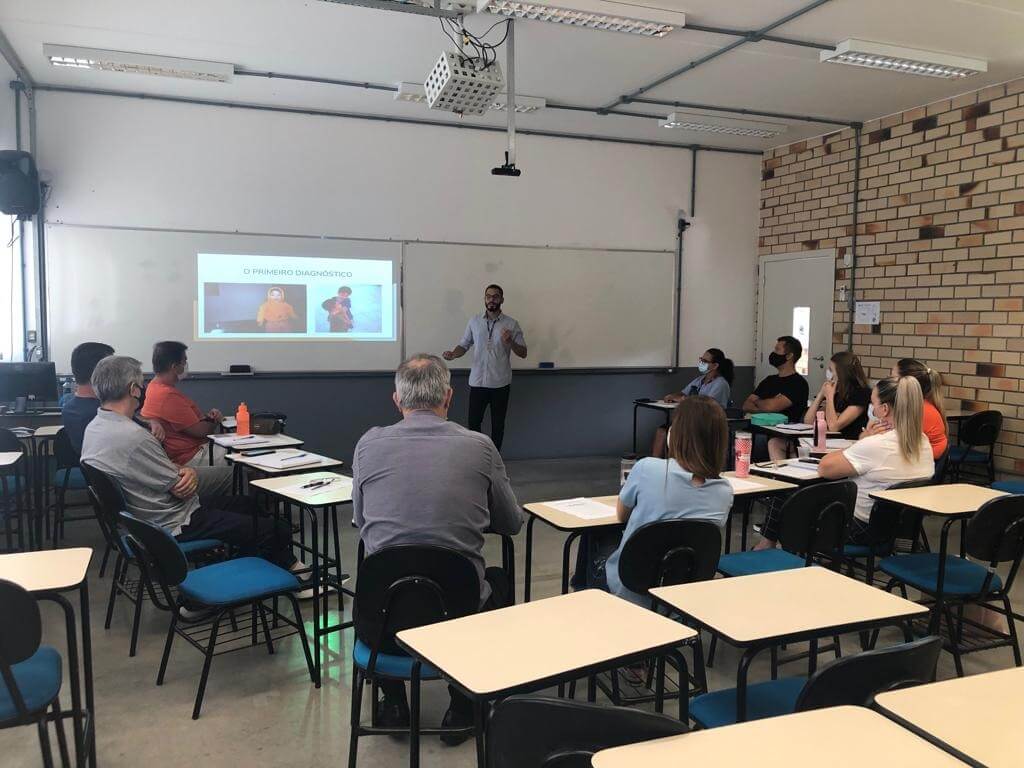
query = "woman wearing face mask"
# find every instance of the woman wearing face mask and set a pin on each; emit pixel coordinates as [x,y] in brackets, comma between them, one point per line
[934,412]
[714,381]
[844,397]
[880,460]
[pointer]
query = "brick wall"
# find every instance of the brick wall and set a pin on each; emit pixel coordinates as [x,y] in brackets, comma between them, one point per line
[940,241]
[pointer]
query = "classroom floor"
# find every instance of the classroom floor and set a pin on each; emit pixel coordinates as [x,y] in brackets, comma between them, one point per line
[264,711]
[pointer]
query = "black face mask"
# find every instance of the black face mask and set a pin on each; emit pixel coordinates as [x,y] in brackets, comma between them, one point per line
[776,360]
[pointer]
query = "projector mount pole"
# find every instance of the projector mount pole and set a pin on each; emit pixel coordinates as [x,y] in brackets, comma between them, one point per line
[509,168]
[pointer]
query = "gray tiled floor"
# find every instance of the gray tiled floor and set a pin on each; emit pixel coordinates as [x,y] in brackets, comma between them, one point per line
[264,711]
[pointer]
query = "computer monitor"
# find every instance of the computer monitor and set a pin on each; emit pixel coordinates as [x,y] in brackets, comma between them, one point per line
[36,381]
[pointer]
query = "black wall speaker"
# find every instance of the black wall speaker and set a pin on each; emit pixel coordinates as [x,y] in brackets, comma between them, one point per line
[19,184]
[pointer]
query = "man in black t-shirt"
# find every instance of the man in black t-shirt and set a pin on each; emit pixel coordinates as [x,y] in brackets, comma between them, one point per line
[785,392]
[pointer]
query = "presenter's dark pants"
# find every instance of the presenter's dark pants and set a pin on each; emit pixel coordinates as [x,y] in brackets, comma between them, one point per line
[497,399]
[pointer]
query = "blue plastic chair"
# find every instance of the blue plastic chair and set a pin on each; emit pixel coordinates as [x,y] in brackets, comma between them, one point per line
[108,502]
[30,673]
[219,587]
[67,476]
[994,535]
[1016,487]
[850,681]
[400,588]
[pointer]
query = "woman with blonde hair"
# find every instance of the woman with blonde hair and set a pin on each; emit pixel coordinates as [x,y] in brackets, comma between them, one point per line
[898,451]
[934,410]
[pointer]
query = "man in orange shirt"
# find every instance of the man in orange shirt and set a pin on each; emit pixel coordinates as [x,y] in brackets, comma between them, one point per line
[186,427]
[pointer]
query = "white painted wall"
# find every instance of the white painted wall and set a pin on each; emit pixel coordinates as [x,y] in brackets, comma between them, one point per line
[150,164]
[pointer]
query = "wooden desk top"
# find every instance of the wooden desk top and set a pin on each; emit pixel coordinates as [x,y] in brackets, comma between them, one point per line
[326,462]
[979,716]
[566,522]
[959,415]
[951,499]
[498,651]
[50,570]
[50,430]
[839,737]
[338,492]
[765,485]
[260,441]
[753,609]
[9,458]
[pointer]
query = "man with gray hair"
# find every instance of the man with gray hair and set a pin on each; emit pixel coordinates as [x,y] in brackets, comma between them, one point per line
[427,480]
[155,488]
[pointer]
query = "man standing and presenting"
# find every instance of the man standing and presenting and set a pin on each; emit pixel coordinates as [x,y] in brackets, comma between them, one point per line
[493,336]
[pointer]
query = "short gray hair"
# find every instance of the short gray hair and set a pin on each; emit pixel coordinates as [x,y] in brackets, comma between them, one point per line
[114,376]
[422,382]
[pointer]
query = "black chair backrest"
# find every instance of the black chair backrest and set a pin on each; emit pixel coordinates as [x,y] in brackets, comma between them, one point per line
[814,518]
[856,680]
[409,586]
[108,503]
[996,533]
[64,454]
[20,634]
[890,521]
[159,552]
[982,429]
[9,442]
[538,732]
[669,552]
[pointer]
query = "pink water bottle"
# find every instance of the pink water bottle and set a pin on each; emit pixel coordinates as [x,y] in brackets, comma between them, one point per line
[820,432]
[743,446]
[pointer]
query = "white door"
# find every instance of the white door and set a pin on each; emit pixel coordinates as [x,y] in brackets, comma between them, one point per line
[796,299]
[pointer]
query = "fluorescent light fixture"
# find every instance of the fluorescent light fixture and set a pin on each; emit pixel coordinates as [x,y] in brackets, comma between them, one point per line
[593,14]
[137,63]
[686,121]
[417,94]
[908,61]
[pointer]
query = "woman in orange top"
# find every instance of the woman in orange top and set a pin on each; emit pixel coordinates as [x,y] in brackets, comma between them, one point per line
[275,314]
[934,413]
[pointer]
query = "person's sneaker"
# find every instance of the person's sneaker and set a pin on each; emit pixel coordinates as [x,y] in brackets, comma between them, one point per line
[307,593]
[392,714]
[191,616]
[455,718]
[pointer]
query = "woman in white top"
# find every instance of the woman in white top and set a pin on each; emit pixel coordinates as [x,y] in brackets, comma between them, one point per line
[896,450]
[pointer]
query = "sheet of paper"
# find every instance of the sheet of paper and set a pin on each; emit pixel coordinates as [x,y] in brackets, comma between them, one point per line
[583,508]
[796,471]
[286,459]
[832,444]
[335,485]
[244,442]
[740,485]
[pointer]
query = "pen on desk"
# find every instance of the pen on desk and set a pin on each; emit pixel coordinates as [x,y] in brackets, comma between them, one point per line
[294,456]
[318,483]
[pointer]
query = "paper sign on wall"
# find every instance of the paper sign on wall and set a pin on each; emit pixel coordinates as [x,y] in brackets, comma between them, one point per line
[868,313]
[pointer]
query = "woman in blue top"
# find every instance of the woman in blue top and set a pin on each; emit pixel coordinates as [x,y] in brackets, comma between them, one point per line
[686,485]
[715,381]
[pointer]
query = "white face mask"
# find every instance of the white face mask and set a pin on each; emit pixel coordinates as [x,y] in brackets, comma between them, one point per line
[829,376]
[871,412]
[702,366]
[183,374]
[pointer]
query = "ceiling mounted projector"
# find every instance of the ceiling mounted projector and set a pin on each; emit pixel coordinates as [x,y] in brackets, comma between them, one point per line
[459,84]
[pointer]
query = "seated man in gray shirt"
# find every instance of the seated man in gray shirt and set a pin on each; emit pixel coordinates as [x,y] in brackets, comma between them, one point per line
[427,480]
[154,487]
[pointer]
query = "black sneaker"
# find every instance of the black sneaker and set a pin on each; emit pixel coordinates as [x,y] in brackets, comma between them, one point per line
[456,718]
[392,714]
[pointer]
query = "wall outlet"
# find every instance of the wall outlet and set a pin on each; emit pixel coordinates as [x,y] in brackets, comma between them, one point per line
[30,337]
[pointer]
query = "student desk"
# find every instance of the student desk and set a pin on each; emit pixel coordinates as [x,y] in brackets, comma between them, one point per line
[763,611]
[531,646]
[17,486]
[772,469]
[953,502]
[323,504]
[242,463]
[839,737]
[260,442]
[976,718]
[958,416]
[46,575]
[653,405]
[744,497]
[561,521]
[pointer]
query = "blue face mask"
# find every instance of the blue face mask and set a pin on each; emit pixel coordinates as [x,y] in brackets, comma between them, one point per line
[702,366]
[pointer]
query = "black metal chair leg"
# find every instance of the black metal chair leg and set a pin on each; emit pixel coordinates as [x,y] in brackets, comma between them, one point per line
[358,682]
[62,740]
[103,564]
[206,667]
[136,617]
[954,645]
[414,716]
[305,640]
[1012,631]
[266,629]
[44,742]
[712,646]
[114,584]
[167,647]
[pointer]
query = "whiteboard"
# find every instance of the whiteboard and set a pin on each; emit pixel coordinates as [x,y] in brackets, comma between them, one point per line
[131,288]
[577,308]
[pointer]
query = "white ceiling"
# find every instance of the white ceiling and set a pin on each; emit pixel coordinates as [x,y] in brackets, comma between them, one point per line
[564,64]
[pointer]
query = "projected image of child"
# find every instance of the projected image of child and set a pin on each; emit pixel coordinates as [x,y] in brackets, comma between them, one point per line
[339,310]
[354,308]
[276,315]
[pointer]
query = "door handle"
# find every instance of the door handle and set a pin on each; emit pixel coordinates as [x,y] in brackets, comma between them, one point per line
[819,358]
